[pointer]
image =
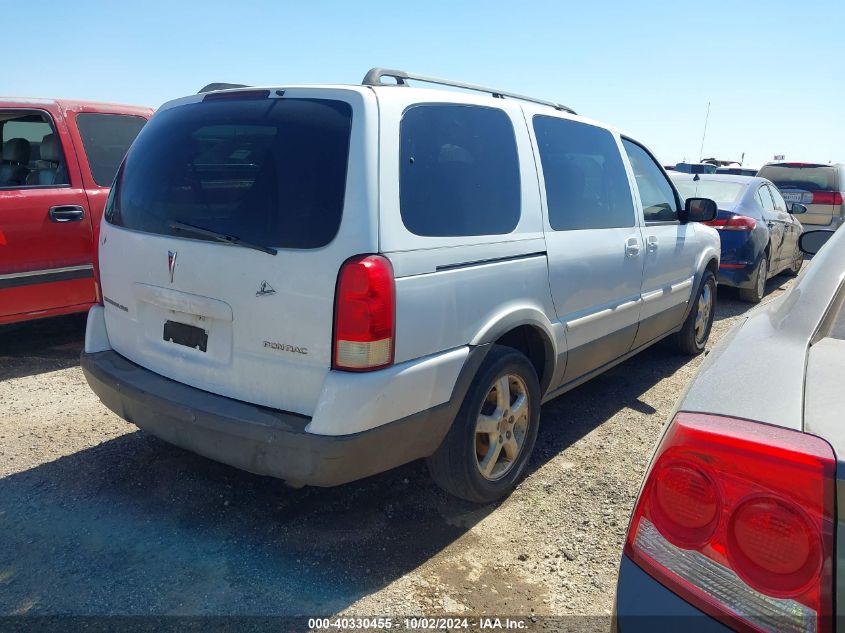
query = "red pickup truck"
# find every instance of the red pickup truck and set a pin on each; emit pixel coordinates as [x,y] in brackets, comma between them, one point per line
[58,161]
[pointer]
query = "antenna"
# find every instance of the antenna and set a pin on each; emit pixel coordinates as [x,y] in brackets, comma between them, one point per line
[703,136]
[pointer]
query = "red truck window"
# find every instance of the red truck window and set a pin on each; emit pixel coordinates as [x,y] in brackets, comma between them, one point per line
[106,138]
[31,151]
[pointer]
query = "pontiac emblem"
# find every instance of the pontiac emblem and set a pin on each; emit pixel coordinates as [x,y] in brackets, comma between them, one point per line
[171,263]
[265,289]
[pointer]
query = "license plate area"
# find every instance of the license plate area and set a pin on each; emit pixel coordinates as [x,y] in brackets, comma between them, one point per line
[796,196]
[187,335]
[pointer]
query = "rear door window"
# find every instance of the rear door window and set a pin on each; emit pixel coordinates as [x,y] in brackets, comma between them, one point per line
[780,203]
[656,193]
[586,183]
[459,171]
[267,171]
[31,151]
[765,199]
[106,138]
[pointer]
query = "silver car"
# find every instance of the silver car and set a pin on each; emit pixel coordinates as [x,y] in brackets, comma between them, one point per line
[320,283]
[819,186]
[736,525]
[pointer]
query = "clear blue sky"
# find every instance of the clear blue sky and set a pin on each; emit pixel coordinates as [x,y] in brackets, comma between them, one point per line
[774,71]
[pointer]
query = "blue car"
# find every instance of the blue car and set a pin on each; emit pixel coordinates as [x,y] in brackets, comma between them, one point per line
[759,233]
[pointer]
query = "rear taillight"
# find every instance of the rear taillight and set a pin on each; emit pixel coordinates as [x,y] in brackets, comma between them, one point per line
[737,518]
[827,197]
[364,314]
[733,223]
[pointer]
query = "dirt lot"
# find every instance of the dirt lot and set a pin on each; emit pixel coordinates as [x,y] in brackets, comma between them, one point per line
[99,518]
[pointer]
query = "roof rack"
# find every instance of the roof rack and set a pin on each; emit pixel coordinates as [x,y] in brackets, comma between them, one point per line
[374,77]
[220,86]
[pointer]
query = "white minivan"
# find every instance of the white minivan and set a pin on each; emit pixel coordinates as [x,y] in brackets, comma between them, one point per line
[320,283]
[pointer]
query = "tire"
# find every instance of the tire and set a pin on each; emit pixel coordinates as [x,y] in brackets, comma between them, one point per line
[795,266]
[459,465]
[692,339]
[757,291]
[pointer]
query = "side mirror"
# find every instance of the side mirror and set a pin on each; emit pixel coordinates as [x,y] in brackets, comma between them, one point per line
[811,242]
[700,210]
[796,208]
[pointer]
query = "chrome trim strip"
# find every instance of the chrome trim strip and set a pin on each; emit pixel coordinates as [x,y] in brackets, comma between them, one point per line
[47,271]
[651,295]
[46,276]
[595,316]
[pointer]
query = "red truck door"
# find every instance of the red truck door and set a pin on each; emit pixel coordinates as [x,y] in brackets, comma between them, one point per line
[46,233]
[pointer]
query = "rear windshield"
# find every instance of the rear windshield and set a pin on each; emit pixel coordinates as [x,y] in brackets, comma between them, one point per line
[696,168]
[813,178]
[106,137]
[736,171]
[724,193]
[267,171]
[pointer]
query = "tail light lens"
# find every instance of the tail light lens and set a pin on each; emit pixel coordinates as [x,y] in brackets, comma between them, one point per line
[364,314]
[733,222]
[827,197]
[737,518]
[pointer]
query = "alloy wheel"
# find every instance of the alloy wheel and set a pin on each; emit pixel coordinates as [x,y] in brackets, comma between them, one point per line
[501,427]
[702,315]
[762,273]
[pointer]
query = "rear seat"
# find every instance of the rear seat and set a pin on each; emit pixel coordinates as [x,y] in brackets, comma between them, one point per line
[14,170]
[48,169]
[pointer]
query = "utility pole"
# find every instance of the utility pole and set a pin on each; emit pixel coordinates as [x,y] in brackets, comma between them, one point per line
[703,136]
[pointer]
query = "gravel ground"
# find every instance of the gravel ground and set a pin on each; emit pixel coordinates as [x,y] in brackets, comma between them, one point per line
[100,518]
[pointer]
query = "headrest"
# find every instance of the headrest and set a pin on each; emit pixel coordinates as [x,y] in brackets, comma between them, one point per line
[570,175]
[454,154]
[50,148]
[16,150]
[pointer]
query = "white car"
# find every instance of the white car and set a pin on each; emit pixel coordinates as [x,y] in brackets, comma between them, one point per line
[320,283]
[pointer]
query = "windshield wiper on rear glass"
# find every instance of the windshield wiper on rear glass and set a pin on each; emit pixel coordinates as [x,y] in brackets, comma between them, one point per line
[221,237]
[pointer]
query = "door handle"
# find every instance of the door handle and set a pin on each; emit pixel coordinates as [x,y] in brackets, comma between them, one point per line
[67,213]
[632,247]
[651,243]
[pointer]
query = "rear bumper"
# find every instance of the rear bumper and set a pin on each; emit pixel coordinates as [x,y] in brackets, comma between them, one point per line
[741,250]
[821,220]
[742,277]
[643,605]
[258,439]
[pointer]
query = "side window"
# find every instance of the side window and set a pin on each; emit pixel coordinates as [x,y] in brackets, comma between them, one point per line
[31,151]
[459,171]
[765,199]
[586,183]
[780,203]
[656,193]
[105,138]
